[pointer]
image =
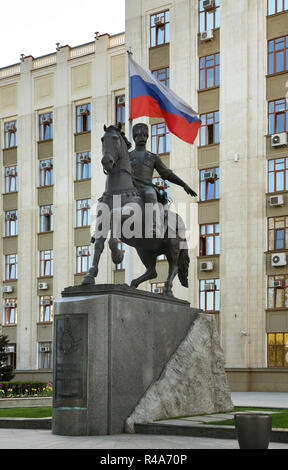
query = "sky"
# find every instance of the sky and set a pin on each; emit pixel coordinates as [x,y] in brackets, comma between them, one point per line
[33,27]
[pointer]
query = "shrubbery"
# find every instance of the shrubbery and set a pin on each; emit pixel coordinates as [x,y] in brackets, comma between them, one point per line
[25,389]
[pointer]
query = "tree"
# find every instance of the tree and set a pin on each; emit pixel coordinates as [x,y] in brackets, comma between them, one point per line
[6,372]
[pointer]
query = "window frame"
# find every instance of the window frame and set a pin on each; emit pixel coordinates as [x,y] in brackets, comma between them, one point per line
[44,309]
[84,212]
[215,67]
[216,293]
[8,313]
[154,41]
[120,110]
[273,292]
[11,267]
[203,13]
[214,235]
[157,138]
[11,226]
[45,358]
[163,75]
[276,4]
[10,136]
[274,53]
[275,230]
[275,172]
[8,179]
[44,217]
[45,180]
[46,262]
[80,127]
[83,167]
[83,260]
[46,129]
[216,184]
[214,124]
[275,346]
[279,102]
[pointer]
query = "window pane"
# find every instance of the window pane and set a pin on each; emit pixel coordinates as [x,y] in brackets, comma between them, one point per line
[280,181]
[210,78]
[271,63]
[279,298]
[210,20]
[279,242]
[271,7]
[210,301]
[280,61]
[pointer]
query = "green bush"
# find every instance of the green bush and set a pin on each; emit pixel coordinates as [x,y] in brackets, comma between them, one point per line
[25,389]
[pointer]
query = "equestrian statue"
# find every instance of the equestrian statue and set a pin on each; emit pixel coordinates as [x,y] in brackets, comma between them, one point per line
[129,182]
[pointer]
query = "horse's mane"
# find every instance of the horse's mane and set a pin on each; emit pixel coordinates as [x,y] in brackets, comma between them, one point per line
[118,129]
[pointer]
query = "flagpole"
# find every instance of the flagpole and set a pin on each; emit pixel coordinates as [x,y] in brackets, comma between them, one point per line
[130,134]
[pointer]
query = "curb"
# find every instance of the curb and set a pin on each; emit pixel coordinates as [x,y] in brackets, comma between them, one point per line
[216,432]
[24,423]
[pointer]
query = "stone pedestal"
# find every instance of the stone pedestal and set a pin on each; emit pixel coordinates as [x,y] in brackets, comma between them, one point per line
[111,344]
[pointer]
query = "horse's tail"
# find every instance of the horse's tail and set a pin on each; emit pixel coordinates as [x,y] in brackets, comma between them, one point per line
[183,267]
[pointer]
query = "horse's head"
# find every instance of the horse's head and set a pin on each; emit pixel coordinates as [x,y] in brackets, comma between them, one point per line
[114,143]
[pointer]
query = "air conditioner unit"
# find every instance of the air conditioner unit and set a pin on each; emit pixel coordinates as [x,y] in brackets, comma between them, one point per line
[84,205]
[207,35]
[157,290]
[279,259]
[208,4]
[45,119]
[43,286]
[275,201]
[159,20]
[209,287]
[45,302]
[278,284]
[11,172]
[10,349]
[10,305]
[10,127]
[209,175]
[45,211]
[45,165]
[279,140]
[121,99]
[83,252]
[83,110]
[8,289]
[85,158]
[12,216]
[206,266]
[160,184]
[44,349]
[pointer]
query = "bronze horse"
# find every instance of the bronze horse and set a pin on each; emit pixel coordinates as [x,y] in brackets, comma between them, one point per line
[119,182]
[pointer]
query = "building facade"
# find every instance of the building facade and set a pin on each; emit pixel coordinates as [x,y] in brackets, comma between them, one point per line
[229,60]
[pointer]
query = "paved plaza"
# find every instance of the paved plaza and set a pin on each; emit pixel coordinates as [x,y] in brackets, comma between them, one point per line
[41,439]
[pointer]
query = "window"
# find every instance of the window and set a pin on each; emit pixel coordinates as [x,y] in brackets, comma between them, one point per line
[46,263]
[160,28]
[11,271]
[158,288]
[209,240]
[11,355]
[209,18]
[164,186]
[46,309]
[278,116]
[83,259]
[163,75]
[46,172]
[83,118]
[278,175]
[209,71]
[11,179]
[277,6]
[45,356]
[277,350]
[278,55]
[278,233]
[209,184]
[10,314]
[10,134]
[278,292]
[121,266]
[210,129]
[210,295]
[83,170]
[83,212]
[46,218]
[160,139]
[11,223]
[46,126]
[120,109]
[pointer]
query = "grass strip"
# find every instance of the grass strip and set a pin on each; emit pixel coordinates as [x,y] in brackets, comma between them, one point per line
[279,418]
[38,412]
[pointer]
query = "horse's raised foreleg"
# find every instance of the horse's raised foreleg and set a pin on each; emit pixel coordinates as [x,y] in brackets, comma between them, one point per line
[149,259]
[116,254]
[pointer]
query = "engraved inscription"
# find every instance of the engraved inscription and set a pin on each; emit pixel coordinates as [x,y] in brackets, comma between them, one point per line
[71,359]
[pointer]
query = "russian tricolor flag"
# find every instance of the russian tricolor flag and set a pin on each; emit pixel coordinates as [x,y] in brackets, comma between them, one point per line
[149,97]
